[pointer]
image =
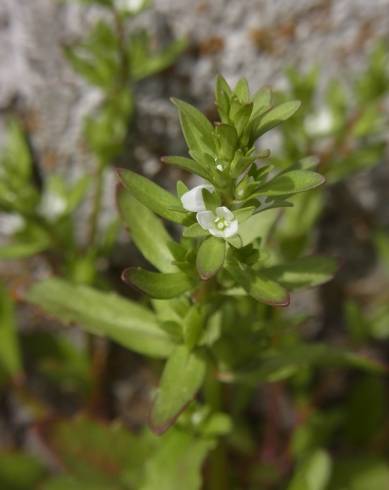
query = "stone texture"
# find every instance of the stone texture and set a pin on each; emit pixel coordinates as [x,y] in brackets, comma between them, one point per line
[252,38]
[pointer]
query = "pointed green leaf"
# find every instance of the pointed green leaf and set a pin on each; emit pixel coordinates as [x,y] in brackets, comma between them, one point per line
[158,285]
[257,226]
[97,453]
[268,291]
[181,379]
[181,188]
[276,365]
[243,214]
[313,473]
[152,195]
[222,96]
[147,232]
[210,257]
[291,183]
[258,285]
[20,470]
[186,164]
[228,140]
[242,91]
[197,129]
[242,117]
[100,313]
[261,101]
[304,272]
[194,231]
[276,116]
[177,463]
[10,356]
[24,249]
[193,326]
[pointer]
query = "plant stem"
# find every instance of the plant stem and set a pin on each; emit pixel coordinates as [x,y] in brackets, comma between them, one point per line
[96,205]
[218,475]
[121,37]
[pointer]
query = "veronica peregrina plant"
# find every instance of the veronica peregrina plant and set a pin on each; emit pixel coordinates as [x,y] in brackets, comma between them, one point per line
[213,284]
[221,256]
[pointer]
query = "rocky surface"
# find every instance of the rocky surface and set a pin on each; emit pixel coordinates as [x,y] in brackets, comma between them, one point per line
[251,38]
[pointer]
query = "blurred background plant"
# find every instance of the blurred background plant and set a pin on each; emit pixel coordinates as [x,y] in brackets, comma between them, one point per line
[296,425]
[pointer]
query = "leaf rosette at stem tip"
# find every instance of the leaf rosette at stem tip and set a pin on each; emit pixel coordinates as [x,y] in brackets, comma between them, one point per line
[222,217]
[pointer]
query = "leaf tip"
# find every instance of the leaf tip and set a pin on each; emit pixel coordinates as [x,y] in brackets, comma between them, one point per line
[283,303]
[159,428]
[125,275]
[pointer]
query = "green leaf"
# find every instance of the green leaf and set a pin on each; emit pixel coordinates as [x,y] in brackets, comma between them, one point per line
[210,257]
[177,464]
[19,471]
[257,226]
[153,62]
[259,285]
[313,473]
[243,214]
[193,326]
[261,101]
[158,285]
[17,155]
[181,379]
[242,117]
[242,91]
[186,164]
[228,140]
[222,95]
[283,363]
[100,313]
[194,231]
[147,232]
[152,195]
[363,472]
[197,129]
[58,360]
[263,289]
[10,356]
[100,455]
[304,272]
[291,183]
[70,483]
[276,116]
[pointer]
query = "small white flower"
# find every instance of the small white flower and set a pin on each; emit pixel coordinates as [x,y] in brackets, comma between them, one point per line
[320,123]
[130,6]
[221,224]
[10,223]
[52,206]
[193,200]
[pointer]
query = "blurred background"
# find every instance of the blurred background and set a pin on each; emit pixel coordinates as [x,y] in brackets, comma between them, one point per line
[85,87]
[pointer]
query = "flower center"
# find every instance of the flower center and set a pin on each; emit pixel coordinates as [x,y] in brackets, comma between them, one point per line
[221,223]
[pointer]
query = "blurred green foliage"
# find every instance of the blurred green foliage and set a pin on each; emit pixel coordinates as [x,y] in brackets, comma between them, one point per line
[340,444]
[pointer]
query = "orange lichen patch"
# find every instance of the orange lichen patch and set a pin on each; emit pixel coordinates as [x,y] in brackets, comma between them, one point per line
[263,39]
[212,45]
[202,7]
[274,39]
[31,121]
[50,159]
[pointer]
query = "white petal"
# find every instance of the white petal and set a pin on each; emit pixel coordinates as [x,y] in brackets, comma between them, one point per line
[10,223]
[218,233]
[231,230]
[205,219]
[224,212]
[319,123]
[193,199]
